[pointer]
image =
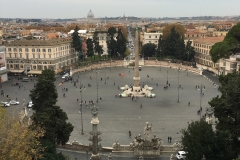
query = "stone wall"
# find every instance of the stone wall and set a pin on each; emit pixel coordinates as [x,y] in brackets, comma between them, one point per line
[141,62]
[98,65]
[75,145]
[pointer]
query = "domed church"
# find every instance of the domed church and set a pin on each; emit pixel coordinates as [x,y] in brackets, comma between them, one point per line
[90,15]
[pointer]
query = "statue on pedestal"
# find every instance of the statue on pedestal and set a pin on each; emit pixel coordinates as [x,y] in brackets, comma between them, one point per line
[94,111]
[148,143]
[147,131]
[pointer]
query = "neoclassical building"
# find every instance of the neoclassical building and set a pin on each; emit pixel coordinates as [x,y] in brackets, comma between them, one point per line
[202,48]
[32,56]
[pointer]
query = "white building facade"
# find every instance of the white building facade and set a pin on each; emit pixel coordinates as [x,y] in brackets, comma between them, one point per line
[33,56]
[151,38]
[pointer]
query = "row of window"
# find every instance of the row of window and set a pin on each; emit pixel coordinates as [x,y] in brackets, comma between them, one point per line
[153,36]
[27,55]
[202,51]
[193,35]
[153,42]
[21,66]
[34,62]
[202,45]
[35,55]
[37,50]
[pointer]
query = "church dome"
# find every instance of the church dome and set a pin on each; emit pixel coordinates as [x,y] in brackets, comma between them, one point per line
[90,15]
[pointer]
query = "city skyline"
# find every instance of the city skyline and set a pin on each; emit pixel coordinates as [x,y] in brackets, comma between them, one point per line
[115,8]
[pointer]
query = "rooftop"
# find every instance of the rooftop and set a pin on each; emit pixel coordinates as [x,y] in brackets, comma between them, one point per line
[51,42]
[209,40]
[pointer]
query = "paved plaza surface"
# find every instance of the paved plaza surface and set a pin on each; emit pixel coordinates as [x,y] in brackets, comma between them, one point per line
[118,116]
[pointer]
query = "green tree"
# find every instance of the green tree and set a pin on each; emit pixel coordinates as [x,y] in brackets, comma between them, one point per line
[160,48]
[170,47]
[149,50]
[180,49]
[48,115]
[230,45]
[199,139]
[220,50]
[227,108]
[121,43]
[76,42]
[97,48]
[189,52]
[111,42]
[90,51]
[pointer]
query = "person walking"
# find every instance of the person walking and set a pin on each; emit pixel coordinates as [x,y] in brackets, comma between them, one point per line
[129,133]
[188,103]
[141,105]
[170,139]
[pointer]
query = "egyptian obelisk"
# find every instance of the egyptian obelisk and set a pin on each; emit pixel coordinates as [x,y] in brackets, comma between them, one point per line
[136,77]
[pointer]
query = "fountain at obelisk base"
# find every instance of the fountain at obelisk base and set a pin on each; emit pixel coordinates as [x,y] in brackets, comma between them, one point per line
[136,90]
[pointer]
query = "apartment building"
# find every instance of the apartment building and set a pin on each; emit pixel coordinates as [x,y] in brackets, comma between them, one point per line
[151,37]
[202,48]
[33,56]
[229,65]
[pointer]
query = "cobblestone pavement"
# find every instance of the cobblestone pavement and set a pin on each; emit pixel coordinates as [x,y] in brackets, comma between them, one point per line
[119,115]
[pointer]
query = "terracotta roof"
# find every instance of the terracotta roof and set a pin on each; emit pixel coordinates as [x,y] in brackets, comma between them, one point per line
[38,42]
[209,40]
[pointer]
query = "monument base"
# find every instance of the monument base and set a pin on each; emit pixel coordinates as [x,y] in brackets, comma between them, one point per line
[139,152]
[95,157]
[137,91]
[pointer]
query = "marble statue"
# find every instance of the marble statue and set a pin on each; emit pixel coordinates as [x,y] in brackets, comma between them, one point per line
[147,131]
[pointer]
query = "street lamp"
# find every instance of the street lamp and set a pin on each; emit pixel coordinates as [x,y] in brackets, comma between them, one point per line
[110,63]
[178,81]
[201,94]
[97,83]
[81,107]
[167,72]
[160,65]
[160,61]
[105,74]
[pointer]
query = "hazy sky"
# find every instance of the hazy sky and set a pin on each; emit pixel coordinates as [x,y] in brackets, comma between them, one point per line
[114,8]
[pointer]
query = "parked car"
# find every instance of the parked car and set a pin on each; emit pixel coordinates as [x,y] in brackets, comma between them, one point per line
[181,155]
[30,104]
[14,102]
[5,104]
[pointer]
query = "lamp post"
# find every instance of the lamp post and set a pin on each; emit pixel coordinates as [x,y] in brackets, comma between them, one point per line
[110,63]
[160,64]
[105,74]
[110,58]
[160,61]
[178,82]
[81,108]
[200,113]
[97,83]
[167,72]
[18,69]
